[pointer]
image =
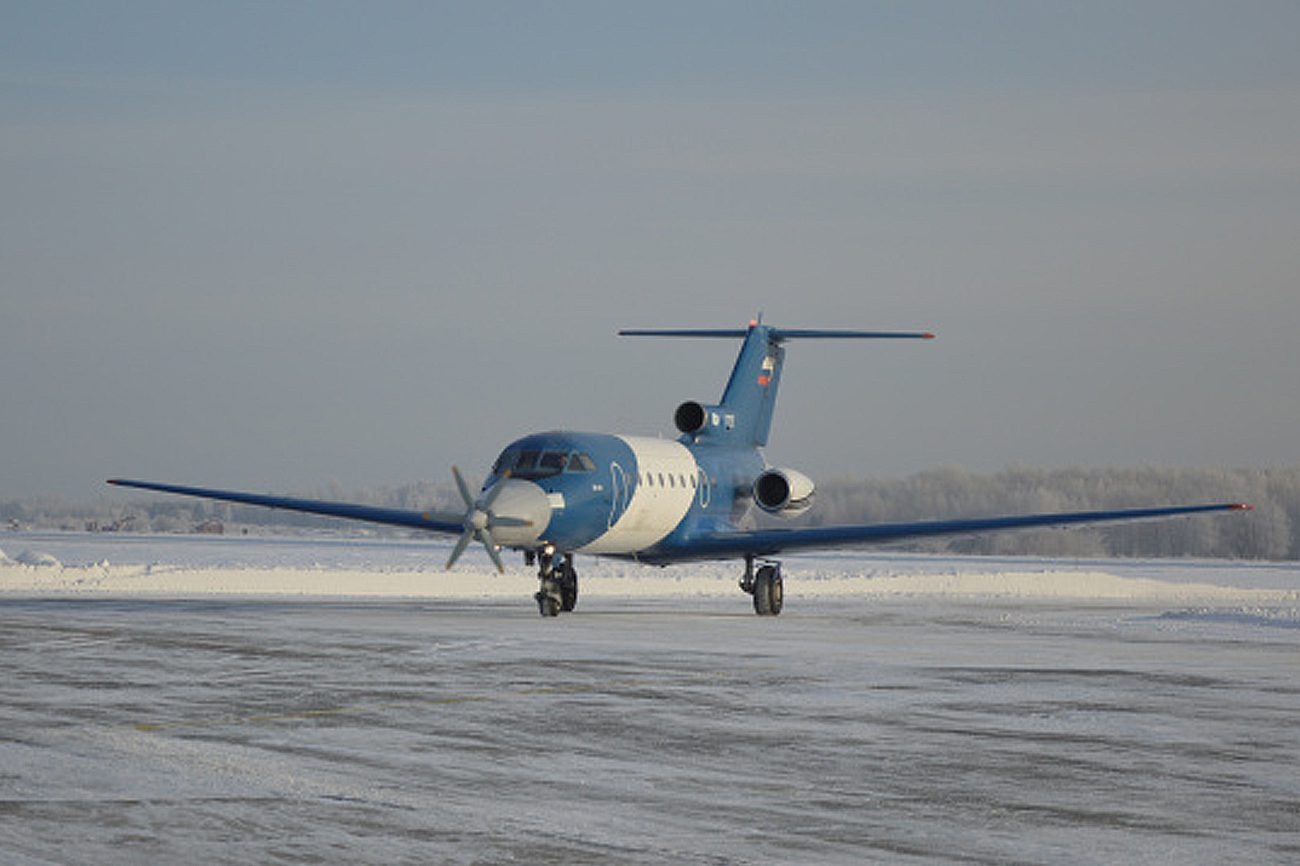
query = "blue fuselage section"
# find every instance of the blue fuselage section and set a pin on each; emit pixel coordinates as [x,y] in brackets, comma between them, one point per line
[631,496]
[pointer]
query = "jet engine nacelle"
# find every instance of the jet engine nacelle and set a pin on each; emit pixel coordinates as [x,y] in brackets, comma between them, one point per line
[784,491]
[692,417]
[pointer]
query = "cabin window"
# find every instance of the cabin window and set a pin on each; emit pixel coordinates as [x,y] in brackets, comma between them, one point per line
[581,463]
[692,482]
[661,480]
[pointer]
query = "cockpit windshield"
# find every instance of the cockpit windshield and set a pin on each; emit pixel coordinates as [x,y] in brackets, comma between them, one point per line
[531,463]
[552,462]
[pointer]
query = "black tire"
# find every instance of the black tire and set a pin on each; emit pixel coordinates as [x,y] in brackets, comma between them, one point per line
[769,591]
[569,590]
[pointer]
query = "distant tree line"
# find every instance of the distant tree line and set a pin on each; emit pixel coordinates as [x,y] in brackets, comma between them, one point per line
[1271,531]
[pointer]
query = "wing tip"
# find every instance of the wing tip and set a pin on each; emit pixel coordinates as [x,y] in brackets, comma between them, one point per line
[1240,506]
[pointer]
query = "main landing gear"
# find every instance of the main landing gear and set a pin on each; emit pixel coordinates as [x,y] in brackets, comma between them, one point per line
[765,585]
[559,589]
[559,583]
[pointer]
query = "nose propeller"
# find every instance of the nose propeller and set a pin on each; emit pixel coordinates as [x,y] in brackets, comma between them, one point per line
[479,520]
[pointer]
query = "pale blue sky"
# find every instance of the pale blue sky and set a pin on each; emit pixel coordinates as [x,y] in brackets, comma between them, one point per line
[285,245]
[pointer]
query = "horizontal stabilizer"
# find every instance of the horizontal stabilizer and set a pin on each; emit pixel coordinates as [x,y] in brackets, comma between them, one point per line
[780,335]
[749,400]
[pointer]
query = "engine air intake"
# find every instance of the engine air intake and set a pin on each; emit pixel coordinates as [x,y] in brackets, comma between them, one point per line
[691,417]
[784,491]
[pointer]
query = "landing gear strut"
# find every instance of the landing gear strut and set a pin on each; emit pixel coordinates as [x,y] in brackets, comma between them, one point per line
[765,585]
[559,589]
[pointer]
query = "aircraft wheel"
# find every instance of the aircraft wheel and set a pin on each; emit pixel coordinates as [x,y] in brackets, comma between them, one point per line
[568,589]
[769,591]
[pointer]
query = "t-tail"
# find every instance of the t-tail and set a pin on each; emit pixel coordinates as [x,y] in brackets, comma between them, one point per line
[744,416]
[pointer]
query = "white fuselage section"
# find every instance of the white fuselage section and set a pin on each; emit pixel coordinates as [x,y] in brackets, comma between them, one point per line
[650,498]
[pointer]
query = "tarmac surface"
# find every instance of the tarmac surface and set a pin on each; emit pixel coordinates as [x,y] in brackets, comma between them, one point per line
[235,730]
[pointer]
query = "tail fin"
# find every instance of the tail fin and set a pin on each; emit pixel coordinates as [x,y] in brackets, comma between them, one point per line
[750,395]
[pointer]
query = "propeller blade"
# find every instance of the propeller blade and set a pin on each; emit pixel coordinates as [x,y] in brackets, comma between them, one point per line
[478,520]
[464,488]
[461,544]
[485,536]
[494,492]
[443,516]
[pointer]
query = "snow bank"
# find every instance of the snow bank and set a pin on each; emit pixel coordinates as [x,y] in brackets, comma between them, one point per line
[619,580]
[36,559]
[183,580]
[1048,584]
[163,565]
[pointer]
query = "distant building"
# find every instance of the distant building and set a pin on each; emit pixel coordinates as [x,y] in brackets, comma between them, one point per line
[210,527]
[124,524]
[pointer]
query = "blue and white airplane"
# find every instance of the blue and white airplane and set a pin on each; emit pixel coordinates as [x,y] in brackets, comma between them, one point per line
[557,494]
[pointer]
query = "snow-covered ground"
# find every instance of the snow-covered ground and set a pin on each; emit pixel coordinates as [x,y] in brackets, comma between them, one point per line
[232,700]
[169,565]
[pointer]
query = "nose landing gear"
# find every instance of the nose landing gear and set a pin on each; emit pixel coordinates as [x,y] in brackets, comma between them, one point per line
[765,585]
[559,579]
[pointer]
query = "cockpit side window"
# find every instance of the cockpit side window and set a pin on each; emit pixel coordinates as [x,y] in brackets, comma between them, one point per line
[579,462]
[505,461]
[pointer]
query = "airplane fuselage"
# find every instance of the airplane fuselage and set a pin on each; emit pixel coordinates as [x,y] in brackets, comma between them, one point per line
[631,496]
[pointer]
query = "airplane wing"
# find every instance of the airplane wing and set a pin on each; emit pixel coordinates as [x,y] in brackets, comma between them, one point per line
[432,521]
[766,542]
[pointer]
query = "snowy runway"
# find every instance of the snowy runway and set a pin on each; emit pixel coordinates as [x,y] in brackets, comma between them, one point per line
[668,728]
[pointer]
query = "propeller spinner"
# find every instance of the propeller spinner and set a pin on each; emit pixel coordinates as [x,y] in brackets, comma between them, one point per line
[479,521]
